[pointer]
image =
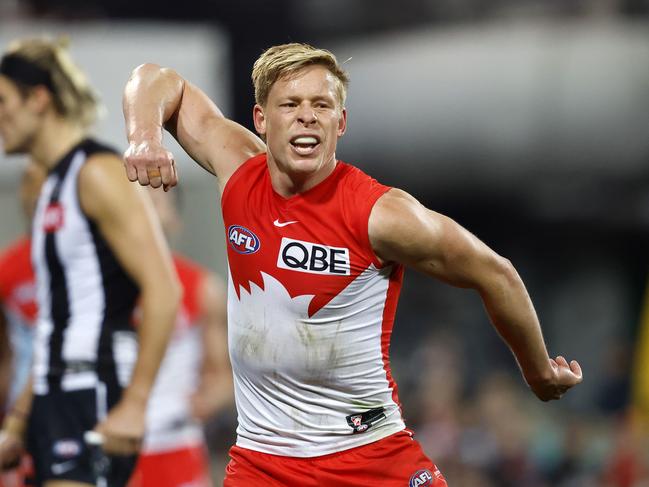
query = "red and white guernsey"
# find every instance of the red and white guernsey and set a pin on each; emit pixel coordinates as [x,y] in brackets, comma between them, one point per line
[18,301]
[310,314]
[170,425]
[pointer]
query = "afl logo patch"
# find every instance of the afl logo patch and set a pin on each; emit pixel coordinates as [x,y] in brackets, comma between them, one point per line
[421,478]
[242,240]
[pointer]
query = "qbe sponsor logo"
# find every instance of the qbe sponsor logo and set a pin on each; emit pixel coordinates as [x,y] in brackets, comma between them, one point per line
[421,478]
[242,240]
[314,258]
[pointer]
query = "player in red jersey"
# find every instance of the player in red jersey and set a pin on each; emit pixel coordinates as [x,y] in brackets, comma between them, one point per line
[194,381]
[19,309]
[316,251]
[17,289]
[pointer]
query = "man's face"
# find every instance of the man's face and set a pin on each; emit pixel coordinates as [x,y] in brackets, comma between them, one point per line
[18,118]
[302,121]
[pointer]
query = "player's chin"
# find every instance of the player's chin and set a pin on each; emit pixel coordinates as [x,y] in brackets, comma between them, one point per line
[306,165]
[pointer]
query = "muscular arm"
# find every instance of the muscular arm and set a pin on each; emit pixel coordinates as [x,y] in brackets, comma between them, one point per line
[127,221]
[157,97]
[402,230]
[215,389]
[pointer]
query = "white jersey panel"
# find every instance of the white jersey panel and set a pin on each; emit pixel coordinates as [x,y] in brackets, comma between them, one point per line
[298,378]
[44,325]
[78,255]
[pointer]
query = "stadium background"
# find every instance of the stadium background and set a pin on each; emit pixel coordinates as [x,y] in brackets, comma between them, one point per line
[526,121]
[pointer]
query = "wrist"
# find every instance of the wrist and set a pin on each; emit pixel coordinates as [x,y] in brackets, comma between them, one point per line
[539,377]
[146,136]
[136,395]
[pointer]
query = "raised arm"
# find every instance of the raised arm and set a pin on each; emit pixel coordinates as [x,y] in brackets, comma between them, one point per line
[126,219]
[402,230]
[157,98]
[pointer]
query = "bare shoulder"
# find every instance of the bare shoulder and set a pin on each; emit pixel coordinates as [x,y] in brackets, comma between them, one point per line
[103,183]
[399,211]
[400,226]
[103,167]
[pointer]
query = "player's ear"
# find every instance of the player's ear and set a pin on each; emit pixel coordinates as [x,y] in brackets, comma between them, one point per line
[259,119]
[39,98]
[342,122]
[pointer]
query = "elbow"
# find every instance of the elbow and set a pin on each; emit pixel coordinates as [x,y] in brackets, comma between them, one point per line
[499,275]
[175,293]
[146,70]
[150,74]
[142,74]
[171,300]
[165,296]
[506,270]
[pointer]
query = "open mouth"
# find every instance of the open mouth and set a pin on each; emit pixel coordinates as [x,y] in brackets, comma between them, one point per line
[305,144]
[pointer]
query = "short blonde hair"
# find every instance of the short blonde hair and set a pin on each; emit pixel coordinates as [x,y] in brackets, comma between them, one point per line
[72,95]
[287,59]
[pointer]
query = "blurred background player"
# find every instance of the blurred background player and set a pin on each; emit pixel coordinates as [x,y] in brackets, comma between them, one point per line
[96,247]
[18,300]
[194,382]
[18,292]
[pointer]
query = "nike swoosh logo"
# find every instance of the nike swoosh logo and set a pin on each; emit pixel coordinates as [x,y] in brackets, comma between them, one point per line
[61,468]
[277,223]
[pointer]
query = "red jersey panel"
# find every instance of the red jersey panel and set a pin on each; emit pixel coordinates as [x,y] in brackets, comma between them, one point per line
[17,287]
[310,313]
[190,275]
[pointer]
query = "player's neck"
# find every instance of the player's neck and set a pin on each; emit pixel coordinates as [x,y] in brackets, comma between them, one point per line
[56,139]
[288,183]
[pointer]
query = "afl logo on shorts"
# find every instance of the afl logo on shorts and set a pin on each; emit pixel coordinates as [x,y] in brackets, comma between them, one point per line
[53,217]
[66,448]
[421,478]
[242,240]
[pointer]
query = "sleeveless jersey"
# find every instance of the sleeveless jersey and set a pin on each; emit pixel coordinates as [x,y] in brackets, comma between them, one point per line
[18,298]
[310,314]
[84,335]
[170,425]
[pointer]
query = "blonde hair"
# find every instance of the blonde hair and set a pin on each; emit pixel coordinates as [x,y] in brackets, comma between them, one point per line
[286,60]
[72,95]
